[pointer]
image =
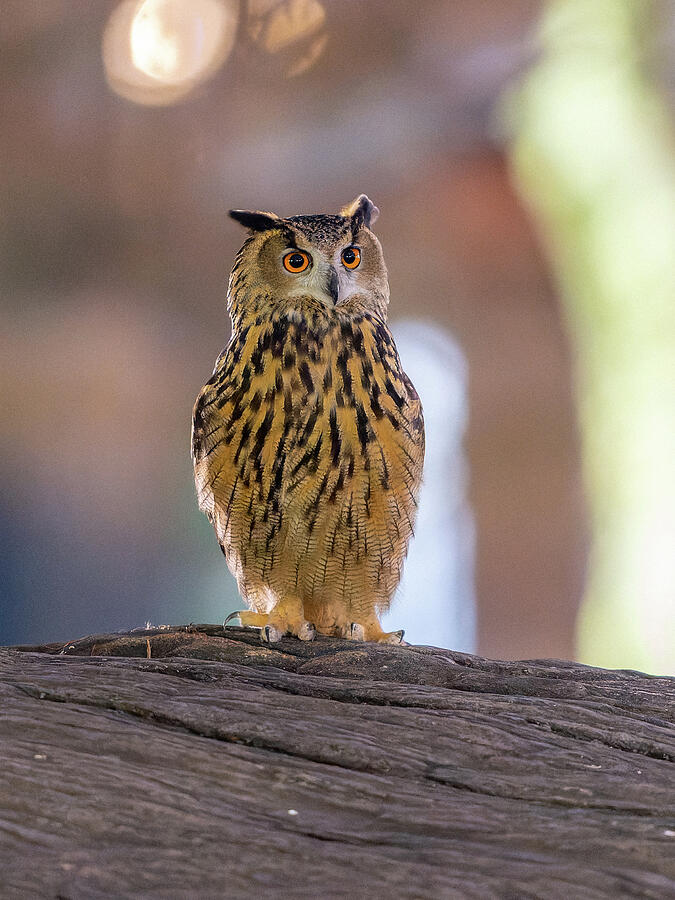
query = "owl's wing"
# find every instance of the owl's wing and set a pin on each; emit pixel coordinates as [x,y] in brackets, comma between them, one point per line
[395,406]
[207,418]
[403,447]
[413,419]
[209,429]
[205,424]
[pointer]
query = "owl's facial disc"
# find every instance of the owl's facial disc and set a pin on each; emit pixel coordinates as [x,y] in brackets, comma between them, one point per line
[309,272]
[354,263]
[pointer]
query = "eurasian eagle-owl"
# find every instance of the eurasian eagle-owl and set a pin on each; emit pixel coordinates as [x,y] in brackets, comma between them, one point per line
[308,439]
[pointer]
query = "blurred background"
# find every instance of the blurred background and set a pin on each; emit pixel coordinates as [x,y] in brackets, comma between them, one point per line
[522,156]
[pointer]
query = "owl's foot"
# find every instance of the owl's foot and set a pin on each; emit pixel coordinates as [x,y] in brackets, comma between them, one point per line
[372,632]
[271,634]
[283,619]
[288,617]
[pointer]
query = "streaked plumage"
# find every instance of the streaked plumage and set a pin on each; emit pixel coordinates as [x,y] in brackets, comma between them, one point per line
[308,440]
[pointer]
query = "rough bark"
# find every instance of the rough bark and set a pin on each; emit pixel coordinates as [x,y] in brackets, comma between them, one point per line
[182,762]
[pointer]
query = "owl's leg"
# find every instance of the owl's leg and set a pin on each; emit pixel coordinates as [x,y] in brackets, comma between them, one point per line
[371,630]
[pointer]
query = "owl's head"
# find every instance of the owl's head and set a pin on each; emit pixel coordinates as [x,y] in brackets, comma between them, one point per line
[332,259]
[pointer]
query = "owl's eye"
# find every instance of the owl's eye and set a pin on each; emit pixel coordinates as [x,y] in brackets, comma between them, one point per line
[351,257]
[296,261]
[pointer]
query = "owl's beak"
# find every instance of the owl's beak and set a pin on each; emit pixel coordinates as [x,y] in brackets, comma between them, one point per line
[332,284]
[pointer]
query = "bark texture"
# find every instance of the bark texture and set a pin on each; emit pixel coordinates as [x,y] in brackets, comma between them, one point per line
[193,762]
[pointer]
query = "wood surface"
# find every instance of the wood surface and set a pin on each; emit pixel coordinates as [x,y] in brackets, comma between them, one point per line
[195,762]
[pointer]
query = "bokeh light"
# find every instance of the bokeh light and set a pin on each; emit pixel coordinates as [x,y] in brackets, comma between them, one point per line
[157,51]
[291,30]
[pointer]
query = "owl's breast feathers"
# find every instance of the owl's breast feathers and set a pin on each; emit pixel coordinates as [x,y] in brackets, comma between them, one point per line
[308,444]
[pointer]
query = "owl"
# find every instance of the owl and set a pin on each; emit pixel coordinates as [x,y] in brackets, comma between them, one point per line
[308,439]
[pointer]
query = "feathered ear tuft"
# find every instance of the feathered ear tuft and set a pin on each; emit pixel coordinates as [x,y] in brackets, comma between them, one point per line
[361,211]
[255,219]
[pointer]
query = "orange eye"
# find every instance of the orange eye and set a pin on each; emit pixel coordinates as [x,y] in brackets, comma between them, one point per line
[351,257]
[296,261]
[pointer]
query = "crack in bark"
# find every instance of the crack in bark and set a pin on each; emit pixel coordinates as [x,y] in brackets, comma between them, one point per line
[548,801]
[587,737]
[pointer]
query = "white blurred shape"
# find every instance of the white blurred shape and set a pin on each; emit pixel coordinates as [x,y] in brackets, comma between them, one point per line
[157,51]
[436,600]
[155,47]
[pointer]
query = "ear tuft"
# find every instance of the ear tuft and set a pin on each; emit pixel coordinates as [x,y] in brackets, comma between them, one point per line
[255,219]
[362,211]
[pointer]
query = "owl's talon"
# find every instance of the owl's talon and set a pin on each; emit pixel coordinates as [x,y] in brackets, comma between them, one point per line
[357,632]
[247,618]
[270,634]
